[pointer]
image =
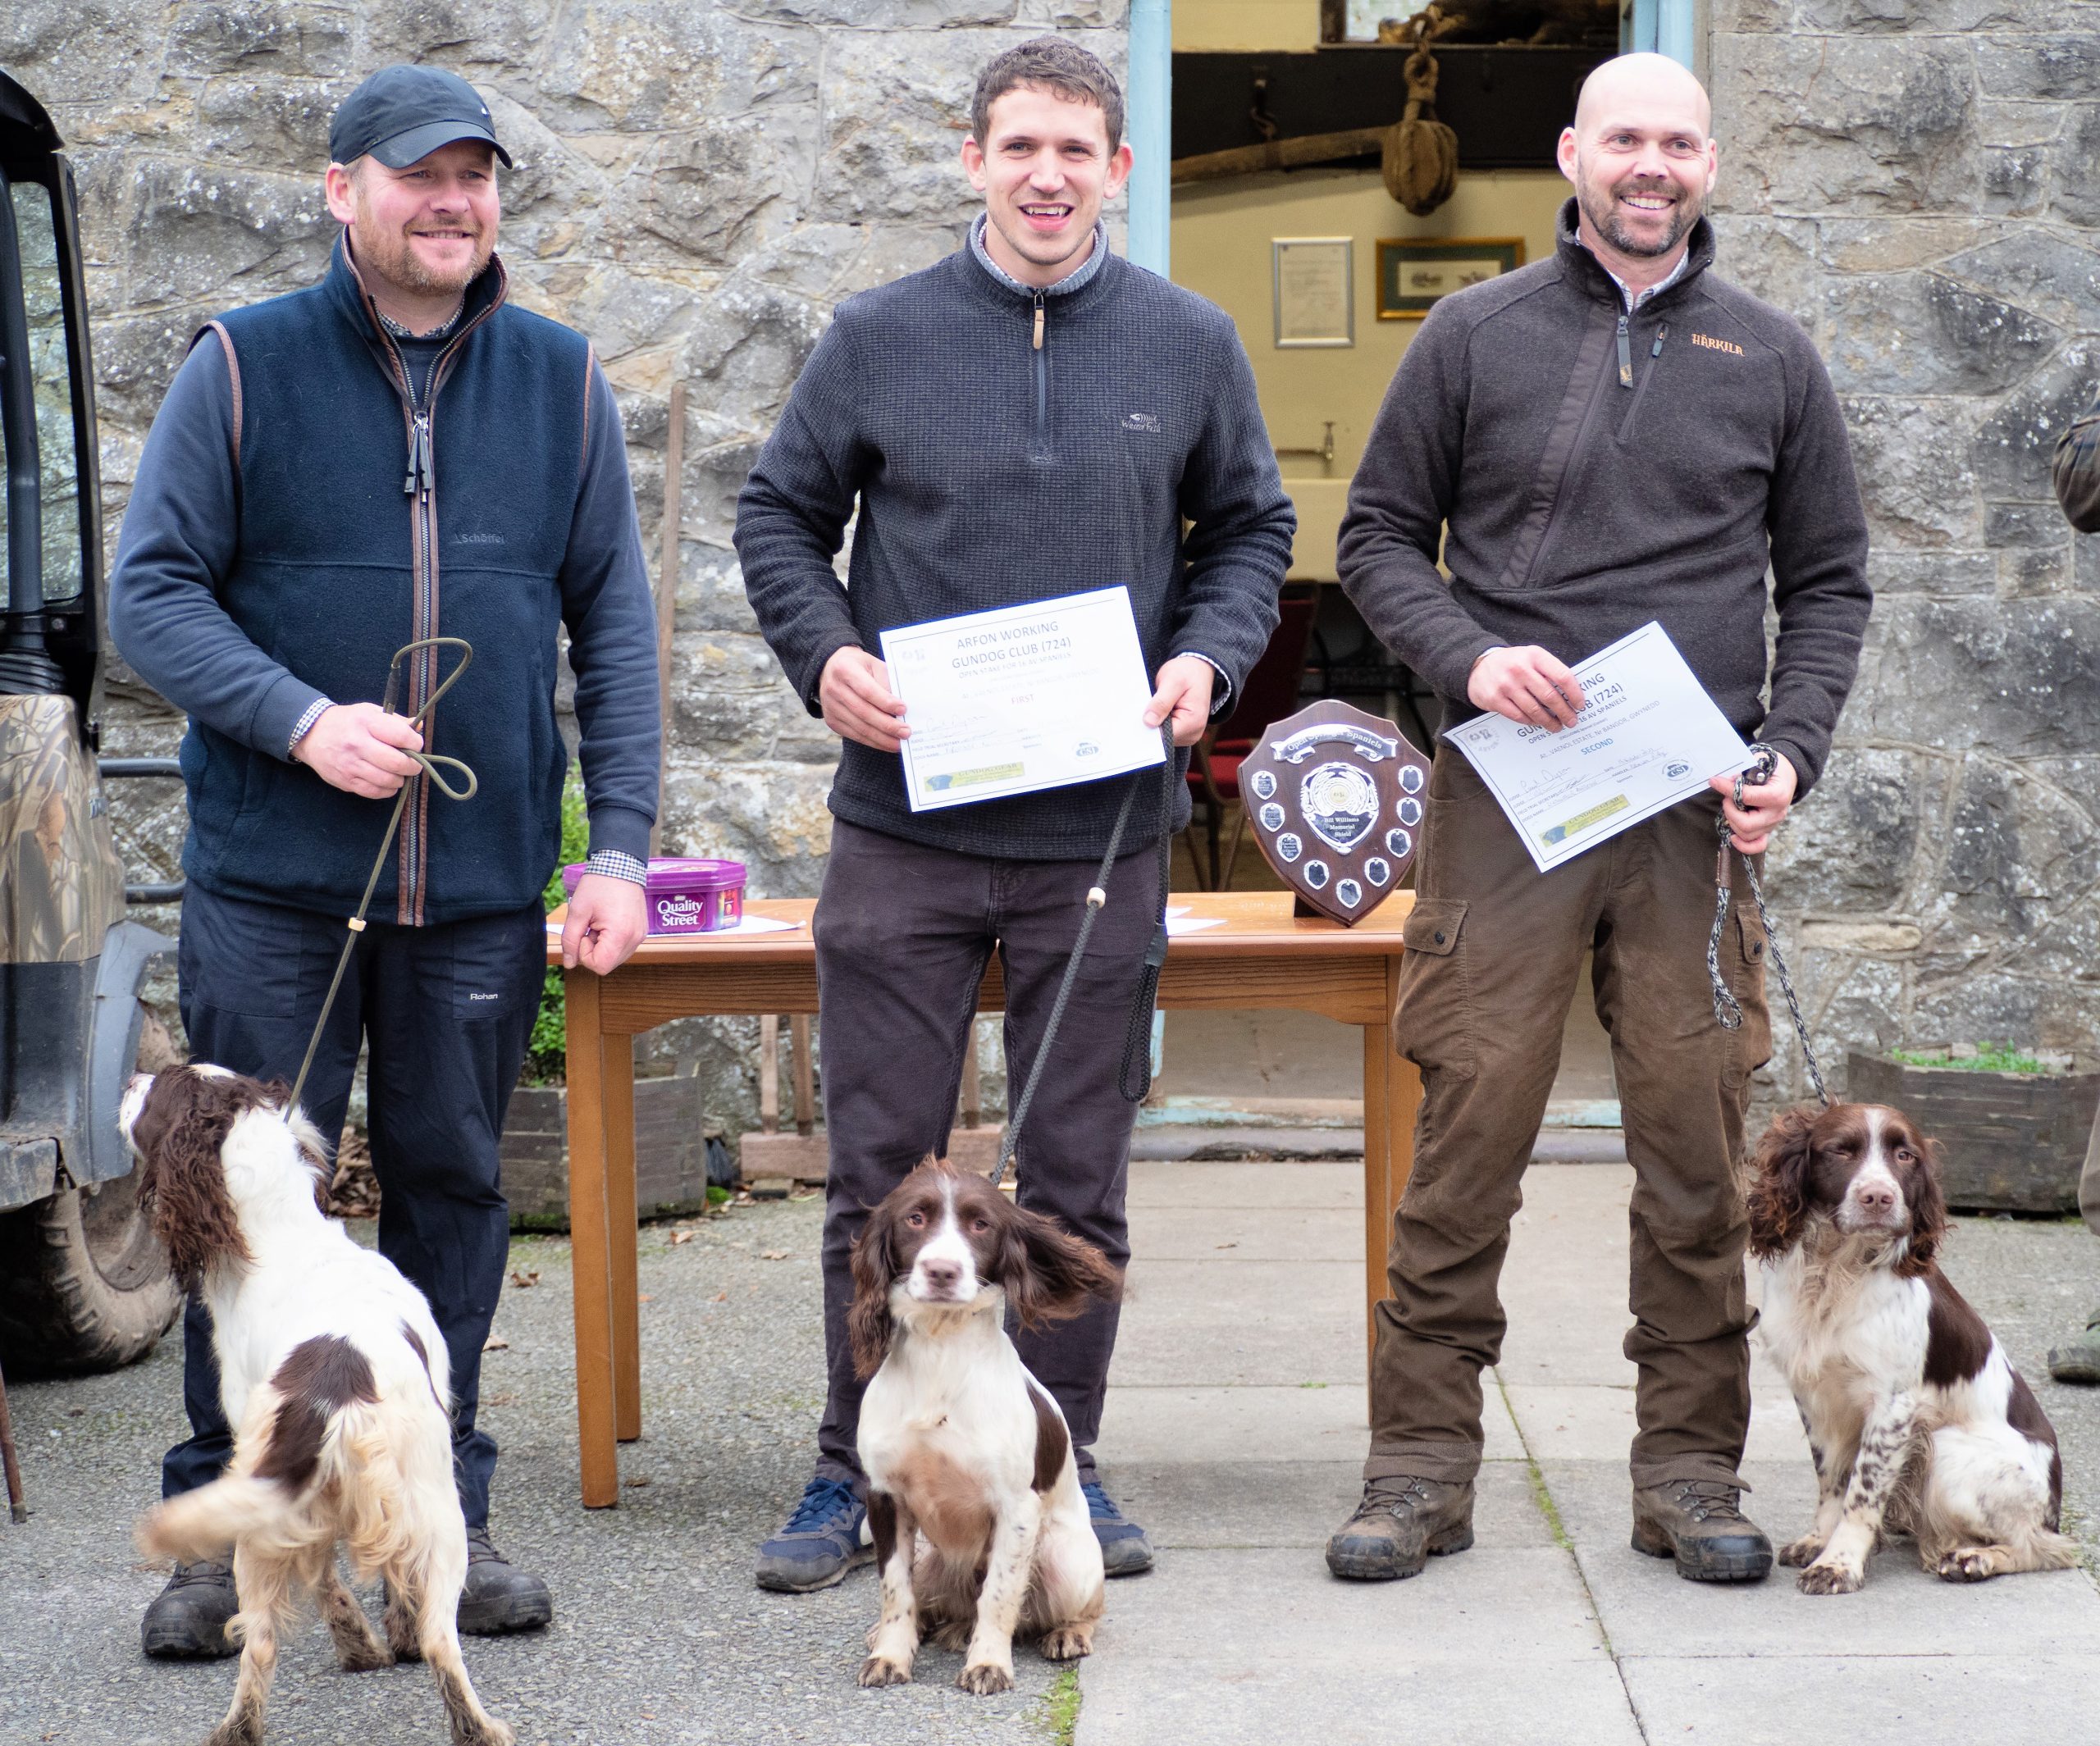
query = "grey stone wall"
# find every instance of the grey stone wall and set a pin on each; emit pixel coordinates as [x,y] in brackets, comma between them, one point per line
[1915,180]
[696,185]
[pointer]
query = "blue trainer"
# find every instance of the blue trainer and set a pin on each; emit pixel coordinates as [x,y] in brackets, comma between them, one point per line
[1125,1550]
[821,1542]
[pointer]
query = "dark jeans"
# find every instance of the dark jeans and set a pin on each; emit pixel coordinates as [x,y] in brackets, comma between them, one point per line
[1495,954]
[903,933]
[446,1012]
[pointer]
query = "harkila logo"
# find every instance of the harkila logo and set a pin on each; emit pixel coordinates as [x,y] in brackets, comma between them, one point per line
[1717,346]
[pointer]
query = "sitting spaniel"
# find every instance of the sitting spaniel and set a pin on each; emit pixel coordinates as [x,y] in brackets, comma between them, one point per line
[973,1495]
[1914,1413]
[336,1381]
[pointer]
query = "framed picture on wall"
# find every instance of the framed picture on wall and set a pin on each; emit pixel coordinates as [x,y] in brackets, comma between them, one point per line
[1315,300]
[1413,271]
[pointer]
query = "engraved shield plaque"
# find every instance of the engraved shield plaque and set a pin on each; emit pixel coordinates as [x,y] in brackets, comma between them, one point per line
[1335,801]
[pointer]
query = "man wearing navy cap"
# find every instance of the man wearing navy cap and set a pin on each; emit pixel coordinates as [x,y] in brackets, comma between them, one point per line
[393,453]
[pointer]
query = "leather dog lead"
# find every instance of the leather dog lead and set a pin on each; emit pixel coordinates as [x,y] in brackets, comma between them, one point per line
[430,761]
[1137,1042]
[1728,1010]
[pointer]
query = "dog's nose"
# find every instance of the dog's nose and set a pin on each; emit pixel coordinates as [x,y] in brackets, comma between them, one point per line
[941,1276]
[1875,1196]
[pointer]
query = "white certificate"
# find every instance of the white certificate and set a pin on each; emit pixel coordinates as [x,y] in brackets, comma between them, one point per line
[1647,737]
[1024,697]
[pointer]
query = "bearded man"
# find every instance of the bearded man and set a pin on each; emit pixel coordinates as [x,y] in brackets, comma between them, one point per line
[322,463]
[1610,436]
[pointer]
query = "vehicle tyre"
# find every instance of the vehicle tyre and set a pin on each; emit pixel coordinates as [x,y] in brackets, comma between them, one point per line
[84,1283]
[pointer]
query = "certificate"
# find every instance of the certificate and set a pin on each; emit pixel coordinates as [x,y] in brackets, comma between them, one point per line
[1647,737]
[1024,697]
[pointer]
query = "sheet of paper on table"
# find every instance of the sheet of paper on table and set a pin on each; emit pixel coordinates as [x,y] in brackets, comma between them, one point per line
[749,925]
[1648,737]
[1022,699]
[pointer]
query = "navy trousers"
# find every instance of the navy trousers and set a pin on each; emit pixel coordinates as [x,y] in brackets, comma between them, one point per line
[445,1013]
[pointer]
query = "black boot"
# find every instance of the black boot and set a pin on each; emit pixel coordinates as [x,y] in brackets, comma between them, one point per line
[187,1620]
[497,1599]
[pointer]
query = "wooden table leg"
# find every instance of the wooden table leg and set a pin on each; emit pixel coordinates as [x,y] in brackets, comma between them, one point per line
[1392,1094]
[622,1228]
[590,1261]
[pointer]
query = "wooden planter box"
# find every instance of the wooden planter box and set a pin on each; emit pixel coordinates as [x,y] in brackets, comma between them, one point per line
[670,1152]
[2009,1142]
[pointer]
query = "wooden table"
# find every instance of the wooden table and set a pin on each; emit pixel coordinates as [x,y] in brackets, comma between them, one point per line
[1258,955]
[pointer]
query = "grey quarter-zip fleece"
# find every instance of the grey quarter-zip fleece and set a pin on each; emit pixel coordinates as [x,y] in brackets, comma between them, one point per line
[1003,446]
[1588,469]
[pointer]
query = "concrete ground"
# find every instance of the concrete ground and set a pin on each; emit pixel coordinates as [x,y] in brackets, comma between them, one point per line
[1236,1426]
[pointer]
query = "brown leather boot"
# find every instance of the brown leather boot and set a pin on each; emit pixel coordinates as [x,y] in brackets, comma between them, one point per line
[1400,1525]
[1700,1524]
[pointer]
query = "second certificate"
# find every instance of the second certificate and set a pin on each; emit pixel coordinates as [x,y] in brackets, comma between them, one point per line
[1021,698]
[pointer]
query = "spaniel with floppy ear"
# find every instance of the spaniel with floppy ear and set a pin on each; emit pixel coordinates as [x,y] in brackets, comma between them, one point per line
[1916,1416]
[974,1496]
[334,1375]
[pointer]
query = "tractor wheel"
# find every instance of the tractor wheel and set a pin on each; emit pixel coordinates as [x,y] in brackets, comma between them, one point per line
[84,1283]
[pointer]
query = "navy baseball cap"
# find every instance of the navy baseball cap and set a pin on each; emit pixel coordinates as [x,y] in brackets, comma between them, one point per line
[402,114]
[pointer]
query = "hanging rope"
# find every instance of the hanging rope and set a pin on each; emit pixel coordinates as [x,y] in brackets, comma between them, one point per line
[1420,158]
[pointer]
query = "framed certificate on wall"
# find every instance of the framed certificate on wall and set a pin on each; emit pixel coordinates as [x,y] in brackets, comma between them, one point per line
[1313,280]
[1414,271]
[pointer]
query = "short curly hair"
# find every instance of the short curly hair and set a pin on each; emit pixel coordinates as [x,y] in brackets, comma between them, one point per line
[1048,63]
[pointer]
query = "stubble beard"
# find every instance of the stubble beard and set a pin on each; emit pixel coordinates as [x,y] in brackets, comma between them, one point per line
[395,259]
[1600,205]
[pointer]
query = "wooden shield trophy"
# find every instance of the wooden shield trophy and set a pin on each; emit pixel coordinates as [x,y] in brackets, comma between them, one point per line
[1335,797]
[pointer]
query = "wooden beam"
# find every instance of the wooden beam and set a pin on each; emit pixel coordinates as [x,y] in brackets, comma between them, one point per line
[1281,154]
[667,590]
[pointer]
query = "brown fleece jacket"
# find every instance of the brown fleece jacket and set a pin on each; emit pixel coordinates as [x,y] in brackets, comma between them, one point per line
[1596,470]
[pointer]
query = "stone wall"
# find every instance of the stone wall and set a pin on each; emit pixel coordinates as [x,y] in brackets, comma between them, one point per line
[1914,180]
[695,185]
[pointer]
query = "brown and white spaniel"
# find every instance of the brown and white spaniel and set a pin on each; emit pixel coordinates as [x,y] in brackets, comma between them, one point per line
[336,1381]
[973,1494]
[1914,1415]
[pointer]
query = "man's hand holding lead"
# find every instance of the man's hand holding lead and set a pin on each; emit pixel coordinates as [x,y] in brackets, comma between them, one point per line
[1765,804]
[858,704]
[1529,685]
[1184,695]
[360,749]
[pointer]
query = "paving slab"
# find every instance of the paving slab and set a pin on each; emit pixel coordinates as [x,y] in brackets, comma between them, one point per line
[1263,1186]
[1272,1233]
[1250,1322]
[2025,1700]
[1230,1423]
[1587,1423]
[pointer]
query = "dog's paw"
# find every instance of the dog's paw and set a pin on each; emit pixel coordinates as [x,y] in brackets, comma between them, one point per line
[1969,1564]
[984,1679]
[880,1670]
[1797,1554]
[1068,1643]
[364,1658]
[1831,1579]
[950,1633]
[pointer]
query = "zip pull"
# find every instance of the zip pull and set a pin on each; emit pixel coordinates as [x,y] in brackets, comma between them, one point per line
[1662,334]
[1625,354]
[1038,323]
[418,480]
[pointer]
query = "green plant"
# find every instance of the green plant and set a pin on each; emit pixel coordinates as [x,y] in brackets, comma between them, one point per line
[546,1055]
[1990,1057]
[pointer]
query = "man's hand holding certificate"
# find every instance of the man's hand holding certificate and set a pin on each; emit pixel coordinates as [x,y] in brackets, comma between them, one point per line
[1022,699]
[1644,736]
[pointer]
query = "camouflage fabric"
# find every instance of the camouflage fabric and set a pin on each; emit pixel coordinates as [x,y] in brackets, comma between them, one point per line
[2076,472]
[61,885]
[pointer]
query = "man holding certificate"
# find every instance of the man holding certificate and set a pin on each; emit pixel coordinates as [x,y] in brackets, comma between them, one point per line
[1023,429]
[1612,446]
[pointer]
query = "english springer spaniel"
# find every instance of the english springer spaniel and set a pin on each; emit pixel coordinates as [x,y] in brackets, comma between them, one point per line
[336,1381]
[973,1495]
[1915,1415]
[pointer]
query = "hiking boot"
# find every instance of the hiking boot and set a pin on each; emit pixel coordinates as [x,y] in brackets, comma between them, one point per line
[497,1599]
[823,1539]
[2078,1359]
[1400,1525]
[1125,1549]
[1700,1524]
[187,1620]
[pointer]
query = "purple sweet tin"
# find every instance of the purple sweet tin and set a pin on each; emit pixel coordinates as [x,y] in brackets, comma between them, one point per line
[687,895]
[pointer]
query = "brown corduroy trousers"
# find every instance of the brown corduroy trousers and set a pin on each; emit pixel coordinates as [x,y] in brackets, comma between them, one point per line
[1495,954]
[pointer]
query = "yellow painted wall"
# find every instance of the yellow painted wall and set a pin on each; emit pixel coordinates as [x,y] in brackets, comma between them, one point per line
[1226,26]
[1222,231]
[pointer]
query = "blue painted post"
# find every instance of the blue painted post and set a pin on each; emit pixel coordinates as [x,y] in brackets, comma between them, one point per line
[1637,28]
[1673,25]
[1149,125]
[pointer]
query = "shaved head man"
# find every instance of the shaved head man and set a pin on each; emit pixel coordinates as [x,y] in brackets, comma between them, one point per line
[1609,438]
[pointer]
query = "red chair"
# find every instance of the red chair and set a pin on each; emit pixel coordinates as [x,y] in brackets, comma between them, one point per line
[1270,694]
